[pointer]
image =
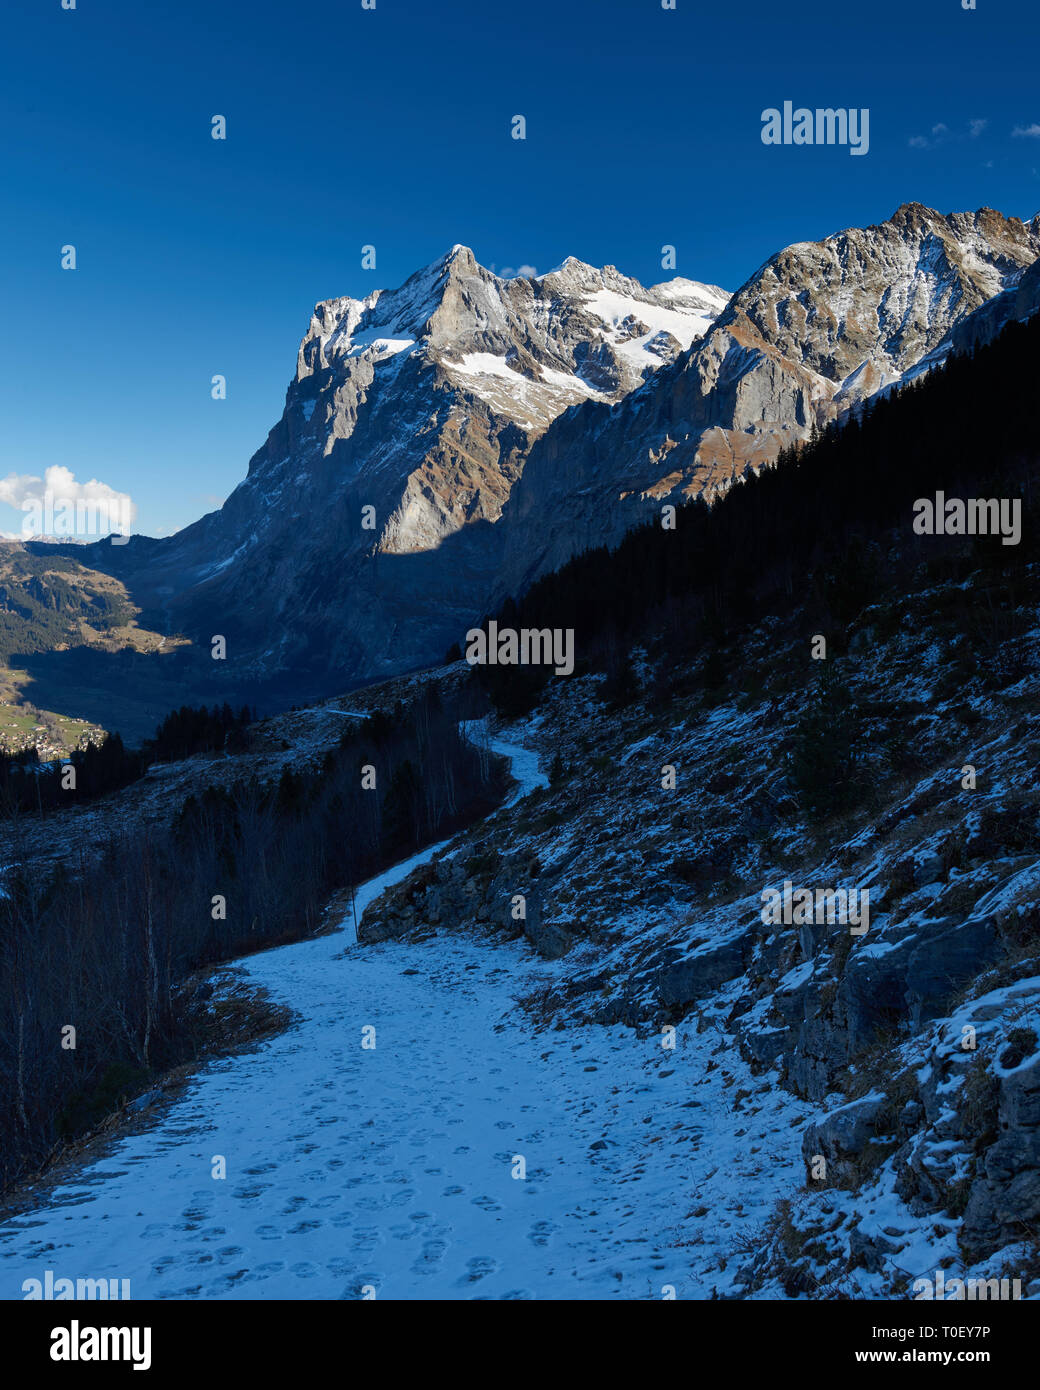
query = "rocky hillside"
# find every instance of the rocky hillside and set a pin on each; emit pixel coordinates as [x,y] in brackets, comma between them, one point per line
[650,901]
[693,783]
[56,609]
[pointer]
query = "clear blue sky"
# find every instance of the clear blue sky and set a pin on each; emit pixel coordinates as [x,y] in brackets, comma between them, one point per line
[392,127]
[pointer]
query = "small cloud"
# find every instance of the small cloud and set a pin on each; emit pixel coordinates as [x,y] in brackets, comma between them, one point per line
[941,134]
[527,271]
[1032,132]
[58,504]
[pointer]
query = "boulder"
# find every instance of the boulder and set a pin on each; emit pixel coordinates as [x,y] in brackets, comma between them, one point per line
[843,1132]
[701,967]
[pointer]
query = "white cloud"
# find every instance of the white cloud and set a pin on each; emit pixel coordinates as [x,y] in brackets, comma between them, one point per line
[508,273]
[57,504]
[1032,131]
[942,134]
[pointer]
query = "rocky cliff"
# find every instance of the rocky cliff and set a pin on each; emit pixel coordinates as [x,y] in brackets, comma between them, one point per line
[361,541]
[819,328]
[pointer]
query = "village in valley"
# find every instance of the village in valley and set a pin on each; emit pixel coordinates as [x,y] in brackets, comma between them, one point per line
[54,737]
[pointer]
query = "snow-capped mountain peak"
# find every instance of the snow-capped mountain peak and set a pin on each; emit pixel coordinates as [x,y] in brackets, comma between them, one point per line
[820,327]
[493,427]
[527,347]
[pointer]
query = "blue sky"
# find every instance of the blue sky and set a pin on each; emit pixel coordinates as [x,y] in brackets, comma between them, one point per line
[392,127]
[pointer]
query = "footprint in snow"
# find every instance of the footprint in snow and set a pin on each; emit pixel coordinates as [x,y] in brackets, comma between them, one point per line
[488,1203]
[478,1268]
[541,1232]
[432,1254]
[360,1282]
[366,1238]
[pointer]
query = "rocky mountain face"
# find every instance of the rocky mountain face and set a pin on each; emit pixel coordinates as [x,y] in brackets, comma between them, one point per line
[819,328]
[420,405]
[444,443]
[1020,302]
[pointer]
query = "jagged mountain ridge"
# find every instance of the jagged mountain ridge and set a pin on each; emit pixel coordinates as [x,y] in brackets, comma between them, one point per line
[820,327]
[423,403]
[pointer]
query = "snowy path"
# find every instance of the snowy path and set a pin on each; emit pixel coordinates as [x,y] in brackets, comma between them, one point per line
[393,1167]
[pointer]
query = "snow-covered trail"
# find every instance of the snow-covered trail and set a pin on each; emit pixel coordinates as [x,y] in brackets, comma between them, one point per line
[396,1167]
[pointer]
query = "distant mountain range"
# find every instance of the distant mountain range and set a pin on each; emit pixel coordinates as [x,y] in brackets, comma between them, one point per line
[445,443]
